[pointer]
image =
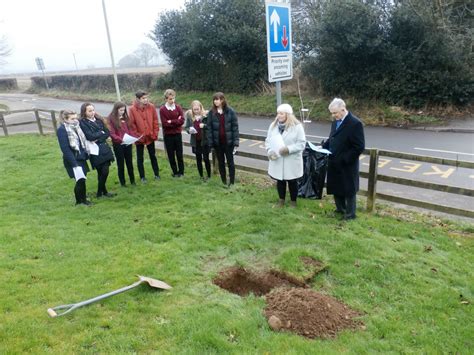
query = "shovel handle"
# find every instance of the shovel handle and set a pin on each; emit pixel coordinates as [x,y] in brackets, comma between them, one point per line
[70,307]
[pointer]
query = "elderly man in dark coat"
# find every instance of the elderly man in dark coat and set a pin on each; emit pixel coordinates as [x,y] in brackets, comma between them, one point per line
[346,142]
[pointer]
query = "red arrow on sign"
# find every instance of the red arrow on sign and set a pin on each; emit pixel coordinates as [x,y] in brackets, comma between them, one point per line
[284,39]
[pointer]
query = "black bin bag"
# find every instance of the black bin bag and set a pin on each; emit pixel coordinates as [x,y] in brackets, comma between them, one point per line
[315,163]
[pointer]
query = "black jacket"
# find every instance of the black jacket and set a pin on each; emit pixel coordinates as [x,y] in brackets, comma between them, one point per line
[231,128]
[346,145]
[97,132]
[71,157]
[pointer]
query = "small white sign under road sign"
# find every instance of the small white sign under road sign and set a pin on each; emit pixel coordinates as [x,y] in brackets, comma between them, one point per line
[279,53]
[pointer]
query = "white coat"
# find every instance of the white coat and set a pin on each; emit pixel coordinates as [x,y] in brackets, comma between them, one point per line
[291,166]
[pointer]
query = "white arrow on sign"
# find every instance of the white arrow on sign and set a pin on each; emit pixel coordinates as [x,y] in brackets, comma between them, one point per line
[275,21]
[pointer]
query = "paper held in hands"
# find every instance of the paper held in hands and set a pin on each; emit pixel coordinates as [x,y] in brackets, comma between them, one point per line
[128,139]
[92,147]
[276,143]
[318,148]
[78,173]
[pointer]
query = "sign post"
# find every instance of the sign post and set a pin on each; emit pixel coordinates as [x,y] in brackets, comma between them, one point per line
[279,53]
[40,65]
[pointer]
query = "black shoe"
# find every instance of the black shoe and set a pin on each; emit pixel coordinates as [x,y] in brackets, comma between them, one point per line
[133,183]
[143,180]
[339,212]
[109,194]
[84,203]
[349,217]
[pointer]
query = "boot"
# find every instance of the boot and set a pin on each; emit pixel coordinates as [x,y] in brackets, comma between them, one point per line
[281,203]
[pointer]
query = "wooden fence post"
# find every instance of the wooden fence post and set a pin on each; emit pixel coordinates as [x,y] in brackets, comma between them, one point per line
[4,124]
[38,121]
[53,119]
[372,183]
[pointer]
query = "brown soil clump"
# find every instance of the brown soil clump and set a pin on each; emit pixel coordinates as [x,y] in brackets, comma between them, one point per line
[242,282]
[308,313]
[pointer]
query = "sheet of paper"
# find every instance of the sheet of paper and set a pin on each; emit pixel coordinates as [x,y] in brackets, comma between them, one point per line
[318,148]
[93,148]
[79,173]
[128,139]
[276,143]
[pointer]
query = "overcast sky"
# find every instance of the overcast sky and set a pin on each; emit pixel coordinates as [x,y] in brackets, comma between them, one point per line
[56,29]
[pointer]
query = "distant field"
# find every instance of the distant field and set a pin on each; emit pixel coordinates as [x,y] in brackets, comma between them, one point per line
[24,79]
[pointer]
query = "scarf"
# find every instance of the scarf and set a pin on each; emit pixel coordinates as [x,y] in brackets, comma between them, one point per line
[281,127]
[76,136]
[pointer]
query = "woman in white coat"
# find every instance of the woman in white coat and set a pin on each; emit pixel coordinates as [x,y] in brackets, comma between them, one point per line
[285,143]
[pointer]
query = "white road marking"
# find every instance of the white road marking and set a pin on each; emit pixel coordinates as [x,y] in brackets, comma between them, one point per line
[308,135]
[443,151]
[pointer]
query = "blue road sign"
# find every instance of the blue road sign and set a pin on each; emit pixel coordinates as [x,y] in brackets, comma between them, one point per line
[279,27]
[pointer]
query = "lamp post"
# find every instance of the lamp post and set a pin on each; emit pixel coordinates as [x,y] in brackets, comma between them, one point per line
[117,90]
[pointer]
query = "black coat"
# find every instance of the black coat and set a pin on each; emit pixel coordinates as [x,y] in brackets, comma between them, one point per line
[346,145]
[71,157]
[231,128]
[97,132]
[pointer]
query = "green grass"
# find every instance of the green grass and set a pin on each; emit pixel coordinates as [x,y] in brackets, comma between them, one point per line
[371,112]
[183,232]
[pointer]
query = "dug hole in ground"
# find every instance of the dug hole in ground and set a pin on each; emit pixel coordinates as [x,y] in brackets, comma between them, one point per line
[291,305]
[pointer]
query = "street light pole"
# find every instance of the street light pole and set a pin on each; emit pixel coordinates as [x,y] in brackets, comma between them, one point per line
[117,90]
[75,62]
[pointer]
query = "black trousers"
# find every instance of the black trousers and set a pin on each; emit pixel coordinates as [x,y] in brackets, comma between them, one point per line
[123,153]
[102,175]
[80,191]
[346,205]
[152,154]
[226,152]
[174,149]
[292,185]
[202,153]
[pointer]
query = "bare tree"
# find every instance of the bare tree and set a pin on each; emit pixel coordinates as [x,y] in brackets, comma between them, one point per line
[146,53]
[5,50]
[129,61]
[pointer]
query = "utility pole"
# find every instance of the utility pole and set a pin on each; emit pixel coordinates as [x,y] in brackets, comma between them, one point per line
[75,62]
[117,90]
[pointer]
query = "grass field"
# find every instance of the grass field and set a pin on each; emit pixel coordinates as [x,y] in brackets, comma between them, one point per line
[409,275]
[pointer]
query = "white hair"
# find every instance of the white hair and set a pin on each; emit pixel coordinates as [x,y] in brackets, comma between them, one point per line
[337,103]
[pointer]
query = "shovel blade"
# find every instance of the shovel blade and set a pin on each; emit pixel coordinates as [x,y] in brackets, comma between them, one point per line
[155,283]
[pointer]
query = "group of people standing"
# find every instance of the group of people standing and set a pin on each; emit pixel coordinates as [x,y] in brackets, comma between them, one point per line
[84,138]
[216,129]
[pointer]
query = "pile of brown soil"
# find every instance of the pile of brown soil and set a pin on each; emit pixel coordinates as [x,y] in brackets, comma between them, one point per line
[242,282]
[308,313]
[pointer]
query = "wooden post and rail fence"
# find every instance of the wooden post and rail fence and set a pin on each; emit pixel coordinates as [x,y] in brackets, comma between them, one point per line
[372,175]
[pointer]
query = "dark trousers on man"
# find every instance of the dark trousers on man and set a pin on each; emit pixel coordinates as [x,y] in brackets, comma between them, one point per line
[226,152]
[123,153]
[154,162]
[202,153]
[293,187]
[346,205]
[174,149]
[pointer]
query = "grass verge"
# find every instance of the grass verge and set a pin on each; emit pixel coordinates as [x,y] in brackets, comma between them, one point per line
[411,276]
[372,113]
